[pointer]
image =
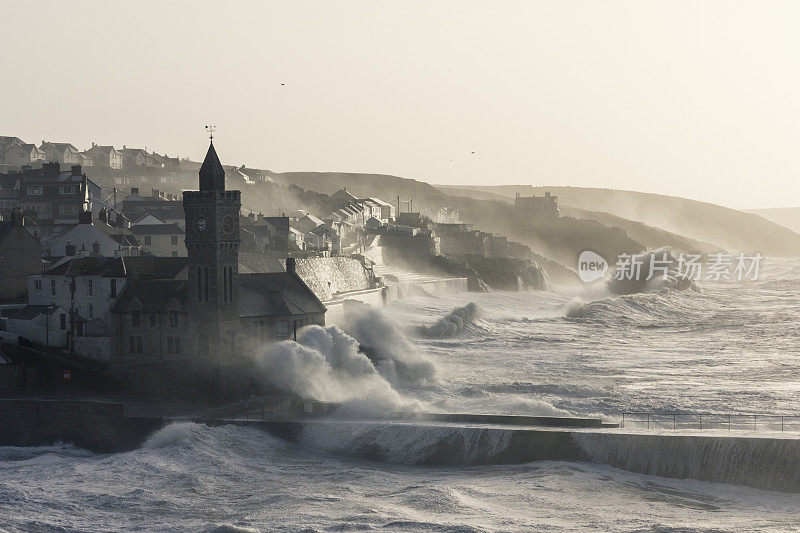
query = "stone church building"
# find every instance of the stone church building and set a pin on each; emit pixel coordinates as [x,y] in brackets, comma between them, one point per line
[209,321]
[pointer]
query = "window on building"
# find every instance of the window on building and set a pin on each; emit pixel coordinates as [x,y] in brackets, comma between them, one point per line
[177,345]
[139,344]
[37,285]
[52,287]
[173,319]
[282,329]
[135,319]
[63,322]
[35,191]
[89,288]
[174,253]
[148,240]
[170,345]
[152,320]
[113,290]
[91,311]
[66,189]
[173,240]
[132,344]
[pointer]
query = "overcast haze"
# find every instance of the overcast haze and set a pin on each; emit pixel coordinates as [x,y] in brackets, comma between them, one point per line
[683,98]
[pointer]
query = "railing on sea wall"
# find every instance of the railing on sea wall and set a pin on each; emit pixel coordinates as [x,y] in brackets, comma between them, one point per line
[710,421]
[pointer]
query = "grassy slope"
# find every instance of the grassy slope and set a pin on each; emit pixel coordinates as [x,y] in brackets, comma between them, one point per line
[719,226]
[788,217]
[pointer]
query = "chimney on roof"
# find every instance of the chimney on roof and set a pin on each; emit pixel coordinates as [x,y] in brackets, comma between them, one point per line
[134,190]
[95,248]
[103,215]
[69,249]
[85,217]
[76,170]
[291,265]
[93,145]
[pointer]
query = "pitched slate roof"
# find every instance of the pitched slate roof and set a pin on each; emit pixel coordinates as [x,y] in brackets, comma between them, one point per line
[59,146]
[173,212]
[120,267]
[276,294]
[156,229]
[29,312]
[152,295]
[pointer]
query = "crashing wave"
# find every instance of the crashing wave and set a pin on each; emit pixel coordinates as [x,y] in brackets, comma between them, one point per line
[451,324]
[384,343]
[409,444]
[656,271]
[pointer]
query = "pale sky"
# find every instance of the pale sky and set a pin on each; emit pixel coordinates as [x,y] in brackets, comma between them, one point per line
[694,99]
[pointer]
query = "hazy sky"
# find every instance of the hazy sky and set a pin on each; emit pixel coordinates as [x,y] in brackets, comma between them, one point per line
[696,99]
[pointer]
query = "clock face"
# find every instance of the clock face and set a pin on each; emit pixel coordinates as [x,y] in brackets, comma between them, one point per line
[201,224]
[227,224]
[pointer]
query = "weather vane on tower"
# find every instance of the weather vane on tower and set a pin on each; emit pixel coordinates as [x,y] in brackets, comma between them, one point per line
[210,129]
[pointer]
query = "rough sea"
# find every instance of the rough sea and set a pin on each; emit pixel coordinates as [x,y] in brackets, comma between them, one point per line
[733,347]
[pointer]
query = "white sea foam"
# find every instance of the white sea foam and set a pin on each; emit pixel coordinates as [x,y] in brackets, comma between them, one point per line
[452,323]
[325,364]
[397,359]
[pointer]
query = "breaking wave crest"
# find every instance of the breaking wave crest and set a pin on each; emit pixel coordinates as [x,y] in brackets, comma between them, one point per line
[409,444]
[396,359]
[643,309]
[660,281]
[451,324]
[325,364]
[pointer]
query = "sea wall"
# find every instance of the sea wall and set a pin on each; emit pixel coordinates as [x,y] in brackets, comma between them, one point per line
[93,425]
[325,276]
[764,463]
[328,276]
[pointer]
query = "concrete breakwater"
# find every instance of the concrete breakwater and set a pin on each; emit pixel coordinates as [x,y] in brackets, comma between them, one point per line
[439,439]
[759,462]
[94,425]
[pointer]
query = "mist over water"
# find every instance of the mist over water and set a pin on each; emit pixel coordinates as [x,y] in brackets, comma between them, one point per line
[732,347]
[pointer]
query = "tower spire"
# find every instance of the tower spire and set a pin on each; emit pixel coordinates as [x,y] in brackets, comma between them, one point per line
[212,175]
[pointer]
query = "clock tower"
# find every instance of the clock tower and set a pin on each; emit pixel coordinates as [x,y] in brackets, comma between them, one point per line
[212,243]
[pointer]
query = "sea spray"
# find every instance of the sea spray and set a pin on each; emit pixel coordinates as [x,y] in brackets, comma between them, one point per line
[639,278]
[325,364]
[384,343]
[452,323]
[175,434]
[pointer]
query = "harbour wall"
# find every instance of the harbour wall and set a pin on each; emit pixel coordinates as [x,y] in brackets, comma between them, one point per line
[94,425]
[760,462]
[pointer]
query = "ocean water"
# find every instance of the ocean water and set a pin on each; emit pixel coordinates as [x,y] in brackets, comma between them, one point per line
[733,347]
